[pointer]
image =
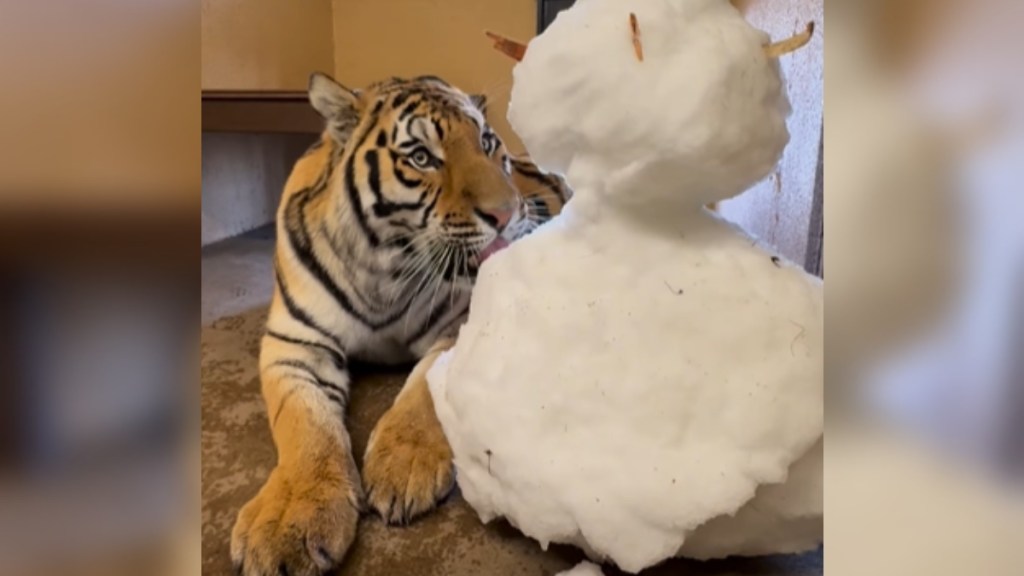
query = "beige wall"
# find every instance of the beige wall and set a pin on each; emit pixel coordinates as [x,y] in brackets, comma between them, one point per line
[256,45]
[265,44]
[374,39]
[98,109]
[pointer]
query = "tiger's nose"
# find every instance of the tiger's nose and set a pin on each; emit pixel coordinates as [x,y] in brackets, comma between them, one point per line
[498,217]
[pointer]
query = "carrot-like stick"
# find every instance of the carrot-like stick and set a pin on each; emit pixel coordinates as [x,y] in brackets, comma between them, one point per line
[506,46]
[634,27]
[791,44]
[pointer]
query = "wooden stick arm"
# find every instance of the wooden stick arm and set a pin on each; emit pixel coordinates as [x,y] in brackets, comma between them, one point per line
[791,44]
[506,46]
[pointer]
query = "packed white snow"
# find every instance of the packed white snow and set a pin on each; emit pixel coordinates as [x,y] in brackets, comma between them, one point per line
[638,377]
[700,119]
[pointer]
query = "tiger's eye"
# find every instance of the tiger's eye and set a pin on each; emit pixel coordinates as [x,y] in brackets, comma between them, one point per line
[420,158]
[490,143]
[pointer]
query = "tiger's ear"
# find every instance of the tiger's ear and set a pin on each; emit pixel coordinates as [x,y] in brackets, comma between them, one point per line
[480,101]
[332,100]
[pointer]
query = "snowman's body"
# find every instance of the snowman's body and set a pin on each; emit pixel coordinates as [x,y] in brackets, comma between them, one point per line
[636,369]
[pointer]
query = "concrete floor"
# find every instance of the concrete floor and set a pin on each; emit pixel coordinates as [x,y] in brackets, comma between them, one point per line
[238,453]
[238,274]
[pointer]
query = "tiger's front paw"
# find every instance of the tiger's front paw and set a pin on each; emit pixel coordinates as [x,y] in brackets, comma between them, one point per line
[408,466]
[300,523]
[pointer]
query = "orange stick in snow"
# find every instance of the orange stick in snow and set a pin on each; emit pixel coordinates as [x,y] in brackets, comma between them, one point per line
[790,44]
[510,48]
[635,29]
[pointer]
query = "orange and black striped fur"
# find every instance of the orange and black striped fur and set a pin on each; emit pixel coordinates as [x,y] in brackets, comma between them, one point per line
[380,233]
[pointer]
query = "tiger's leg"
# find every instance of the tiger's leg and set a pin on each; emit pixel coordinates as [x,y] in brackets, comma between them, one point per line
[408,463]
[304,518]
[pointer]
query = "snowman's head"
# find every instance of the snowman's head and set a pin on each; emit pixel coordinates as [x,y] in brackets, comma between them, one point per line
[699,119]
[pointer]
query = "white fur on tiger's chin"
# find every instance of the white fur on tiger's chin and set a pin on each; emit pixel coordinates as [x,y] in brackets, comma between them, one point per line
[638,377]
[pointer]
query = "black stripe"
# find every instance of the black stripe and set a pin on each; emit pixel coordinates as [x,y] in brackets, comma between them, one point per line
[296,311]
[400,99]
[432,318]
[540,207]
[487,218]
[430,208]
[350,180]
[299,238]
[314,375]
[382,139]
[399,175]
[386,209]
[370,125]
[373,175]
[401,242]
[528,170]
[409,109]
[357,204]
[280,406]
[464,235]
[438,128]
[340,400]
[298,235]
[322,183]
[344,249]
[383,208]
[337,358]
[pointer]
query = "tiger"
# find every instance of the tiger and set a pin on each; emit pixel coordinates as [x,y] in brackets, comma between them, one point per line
[381,230]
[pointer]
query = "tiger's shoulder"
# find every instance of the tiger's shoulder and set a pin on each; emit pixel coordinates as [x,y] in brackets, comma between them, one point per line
[312,168]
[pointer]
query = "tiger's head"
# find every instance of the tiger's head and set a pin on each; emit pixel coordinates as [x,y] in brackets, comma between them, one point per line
[423,171]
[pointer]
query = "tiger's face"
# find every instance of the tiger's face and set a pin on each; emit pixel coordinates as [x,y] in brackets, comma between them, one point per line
[423,171]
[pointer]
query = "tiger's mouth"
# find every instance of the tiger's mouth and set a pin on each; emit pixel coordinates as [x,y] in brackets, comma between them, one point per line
[499,243]
[463,261]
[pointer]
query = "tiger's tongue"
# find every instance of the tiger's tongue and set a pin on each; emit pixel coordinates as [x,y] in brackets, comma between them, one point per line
[498,244]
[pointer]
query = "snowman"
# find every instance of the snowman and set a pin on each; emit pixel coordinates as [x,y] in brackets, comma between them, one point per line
[639,377]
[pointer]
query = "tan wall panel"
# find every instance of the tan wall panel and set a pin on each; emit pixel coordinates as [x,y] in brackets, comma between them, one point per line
[99,109]
[265,44]
[375,39]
